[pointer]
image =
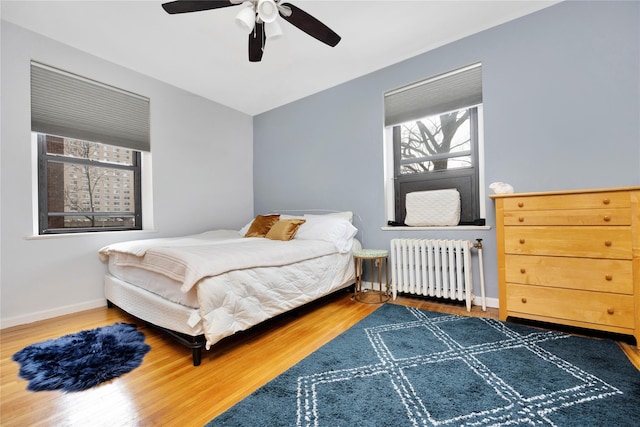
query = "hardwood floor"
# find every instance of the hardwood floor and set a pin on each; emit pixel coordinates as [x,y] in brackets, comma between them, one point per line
[166,390]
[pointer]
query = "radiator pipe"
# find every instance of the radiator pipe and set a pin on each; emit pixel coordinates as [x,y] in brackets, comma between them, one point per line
[478,246]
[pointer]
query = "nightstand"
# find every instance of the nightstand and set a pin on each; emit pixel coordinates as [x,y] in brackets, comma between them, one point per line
[376,257]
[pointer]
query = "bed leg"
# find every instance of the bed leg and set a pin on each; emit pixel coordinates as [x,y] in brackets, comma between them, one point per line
[110,304]
[197,356]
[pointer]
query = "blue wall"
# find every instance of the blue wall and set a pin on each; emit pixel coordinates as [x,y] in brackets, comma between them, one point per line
[561,105]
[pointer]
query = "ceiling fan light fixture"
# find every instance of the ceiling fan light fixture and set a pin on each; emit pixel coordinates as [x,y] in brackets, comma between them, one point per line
[272,30]
[246,18]
[267,10]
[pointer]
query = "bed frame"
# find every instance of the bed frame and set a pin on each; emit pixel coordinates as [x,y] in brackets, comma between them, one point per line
[195,343]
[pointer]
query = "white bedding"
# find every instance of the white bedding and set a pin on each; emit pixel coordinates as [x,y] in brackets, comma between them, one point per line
[239,282]
[237,300]
[190,259]
[140,247]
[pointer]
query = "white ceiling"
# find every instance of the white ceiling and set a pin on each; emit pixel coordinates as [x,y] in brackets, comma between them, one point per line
[206,52]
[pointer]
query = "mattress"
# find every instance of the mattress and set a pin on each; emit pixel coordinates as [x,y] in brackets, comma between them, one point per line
[152,308]
[156,283]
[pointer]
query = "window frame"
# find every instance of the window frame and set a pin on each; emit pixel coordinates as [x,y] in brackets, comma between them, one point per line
[43,159]
[465,180]
[390,181]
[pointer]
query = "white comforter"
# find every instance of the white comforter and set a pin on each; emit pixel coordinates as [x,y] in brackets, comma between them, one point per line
[236,283]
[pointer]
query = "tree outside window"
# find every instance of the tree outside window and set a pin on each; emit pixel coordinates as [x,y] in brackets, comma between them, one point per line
[436,143]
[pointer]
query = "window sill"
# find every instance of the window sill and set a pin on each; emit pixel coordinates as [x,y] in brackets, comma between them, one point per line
[449,228]
[94,233]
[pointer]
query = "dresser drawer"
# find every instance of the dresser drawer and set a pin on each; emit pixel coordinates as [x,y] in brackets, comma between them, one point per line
[602,275]
[574,305]
[612,199]
[571,241]
[616,216]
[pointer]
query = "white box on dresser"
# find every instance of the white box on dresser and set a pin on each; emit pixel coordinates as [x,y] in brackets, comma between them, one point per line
[571,258]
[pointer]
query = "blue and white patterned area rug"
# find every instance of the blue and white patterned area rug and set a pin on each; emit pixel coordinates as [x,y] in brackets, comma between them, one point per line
[402,366]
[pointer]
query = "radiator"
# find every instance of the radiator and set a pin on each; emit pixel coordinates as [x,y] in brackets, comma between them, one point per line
[435,268]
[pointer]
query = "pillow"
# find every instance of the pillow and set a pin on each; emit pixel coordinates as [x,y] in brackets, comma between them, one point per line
[348,215]
[284,229]
[261,225]
[332,229]
[284,216]
[244,229]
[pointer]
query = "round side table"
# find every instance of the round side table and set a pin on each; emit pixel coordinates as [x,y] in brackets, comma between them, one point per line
[374,256]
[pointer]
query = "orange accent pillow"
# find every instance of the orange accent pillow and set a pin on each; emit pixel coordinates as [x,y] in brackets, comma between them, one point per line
[261,225]
[285,229]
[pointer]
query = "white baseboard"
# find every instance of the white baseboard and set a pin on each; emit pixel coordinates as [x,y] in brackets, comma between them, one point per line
[491,302]
[48,314]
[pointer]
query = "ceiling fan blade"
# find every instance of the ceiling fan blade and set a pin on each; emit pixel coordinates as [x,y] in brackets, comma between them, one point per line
[256,43]
[310,25]
[184,6]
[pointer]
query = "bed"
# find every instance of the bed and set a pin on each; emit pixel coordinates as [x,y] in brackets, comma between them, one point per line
[205,287]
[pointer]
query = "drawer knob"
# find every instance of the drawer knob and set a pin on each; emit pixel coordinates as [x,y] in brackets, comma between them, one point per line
[524,300]
[521,219]
[520,204]
[607,218]
[522,241]
[610,310]
[606,201]
[608,277]
[607,243]
[523,270]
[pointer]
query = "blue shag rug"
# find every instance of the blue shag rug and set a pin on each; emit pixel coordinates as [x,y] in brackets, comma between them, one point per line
[83,360]
[402,366]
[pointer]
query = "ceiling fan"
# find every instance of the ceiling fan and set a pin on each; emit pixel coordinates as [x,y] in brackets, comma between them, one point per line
[258,17]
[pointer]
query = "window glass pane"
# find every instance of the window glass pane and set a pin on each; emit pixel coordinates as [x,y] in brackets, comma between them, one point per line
[436,143]
[89,150]
[89,186]
[77,185]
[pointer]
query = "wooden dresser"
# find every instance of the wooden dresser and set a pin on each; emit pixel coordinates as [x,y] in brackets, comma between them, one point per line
[571,258]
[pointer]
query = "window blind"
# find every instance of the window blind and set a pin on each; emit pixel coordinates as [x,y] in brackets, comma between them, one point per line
[65,104]
[446,92]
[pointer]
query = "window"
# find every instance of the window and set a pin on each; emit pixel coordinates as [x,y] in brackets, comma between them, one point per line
[90,140]
[77,182]
[433,141]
